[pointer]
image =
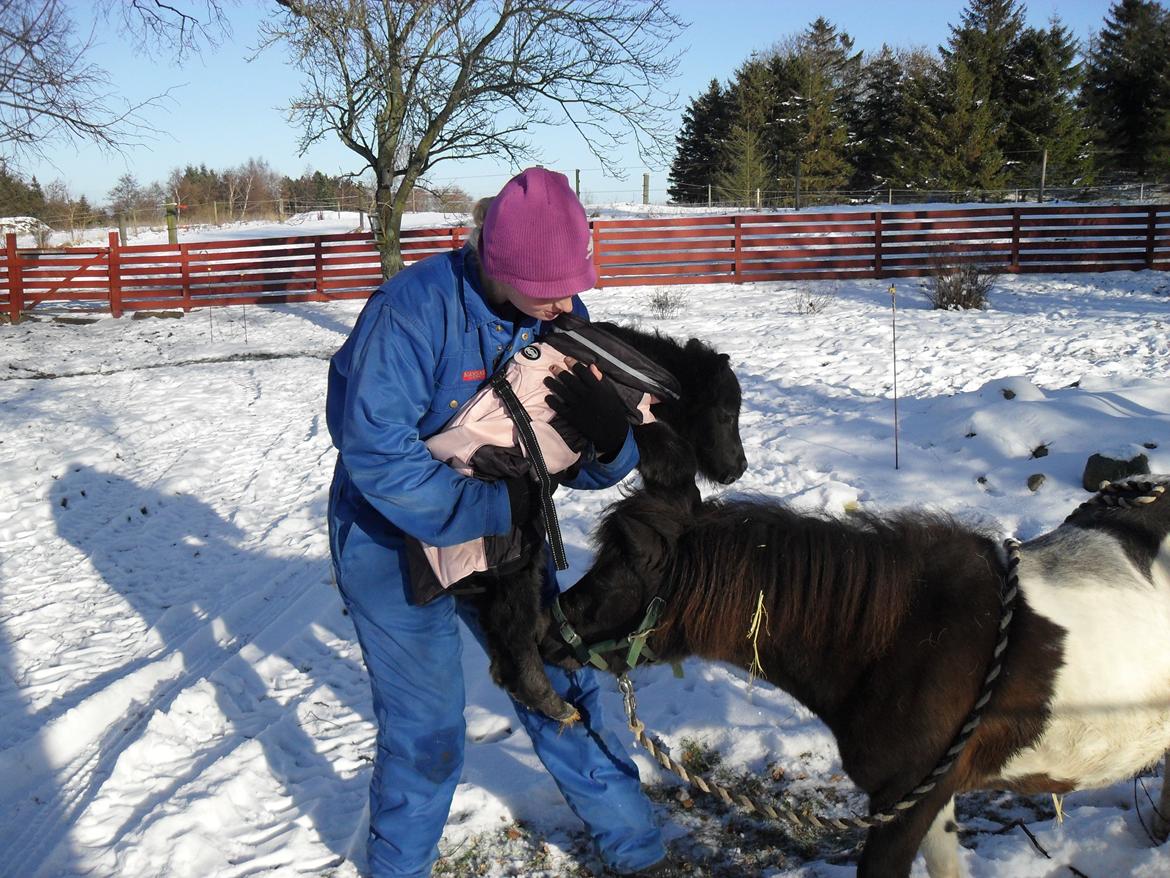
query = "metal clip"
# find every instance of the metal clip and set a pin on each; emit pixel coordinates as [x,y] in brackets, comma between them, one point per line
[628,700]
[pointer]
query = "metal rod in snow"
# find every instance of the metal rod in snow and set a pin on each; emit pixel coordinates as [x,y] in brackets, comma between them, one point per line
[894,336]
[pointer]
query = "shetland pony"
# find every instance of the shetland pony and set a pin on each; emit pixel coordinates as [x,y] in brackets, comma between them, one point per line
[885,626]
[698,433]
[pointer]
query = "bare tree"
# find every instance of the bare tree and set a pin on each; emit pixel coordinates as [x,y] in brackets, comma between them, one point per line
[177,29]
[407,84]
[50,92]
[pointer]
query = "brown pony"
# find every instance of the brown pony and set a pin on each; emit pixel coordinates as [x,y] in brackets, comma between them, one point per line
[885,626]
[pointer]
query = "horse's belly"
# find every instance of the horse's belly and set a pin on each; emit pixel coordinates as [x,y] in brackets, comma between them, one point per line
[1110,706]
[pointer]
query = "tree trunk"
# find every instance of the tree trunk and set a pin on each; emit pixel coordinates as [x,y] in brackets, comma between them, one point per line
[388,235]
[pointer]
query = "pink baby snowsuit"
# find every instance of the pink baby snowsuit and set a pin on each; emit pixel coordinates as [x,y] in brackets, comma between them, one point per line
[482,439]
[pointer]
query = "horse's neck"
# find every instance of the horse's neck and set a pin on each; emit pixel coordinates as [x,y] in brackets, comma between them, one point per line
[820,675]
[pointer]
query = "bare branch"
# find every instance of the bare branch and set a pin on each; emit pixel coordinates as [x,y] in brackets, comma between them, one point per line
[176,29]
[51,93]
[407,84]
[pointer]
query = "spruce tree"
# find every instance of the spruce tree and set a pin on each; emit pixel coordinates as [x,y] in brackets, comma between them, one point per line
[920,148]
[1127,88]
[699,145]
[745,168]
[970,134]
[880,110]
[748,160]
[1044,114]
[829,85]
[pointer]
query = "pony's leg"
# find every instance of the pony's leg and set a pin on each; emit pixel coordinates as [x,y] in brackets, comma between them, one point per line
[509,616]
[941,845]
[890,849]
[1161,821]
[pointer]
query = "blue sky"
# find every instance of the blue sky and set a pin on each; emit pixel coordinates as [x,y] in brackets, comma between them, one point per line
[224,109]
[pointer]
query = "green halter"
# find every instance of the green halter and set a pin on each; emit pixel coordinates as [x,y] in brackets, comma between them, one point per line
[634,642]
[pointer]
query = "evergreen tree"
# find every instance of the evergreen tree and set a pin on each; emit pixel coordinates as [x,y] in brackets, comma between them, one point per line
[829,85]
[970,156]
[745,169]
[984,42]
[1045,114]
[705,128]
[748,160]
[1127,88]
[881,108]
[920,148]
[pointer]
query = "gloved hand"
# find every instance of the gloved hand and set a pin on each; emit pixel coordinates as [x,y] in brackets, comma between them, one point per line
[591,407]
[520,499]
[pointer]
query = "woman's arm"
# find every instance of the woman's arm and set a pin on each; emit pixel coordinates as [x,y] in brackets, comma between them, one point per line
[389,388]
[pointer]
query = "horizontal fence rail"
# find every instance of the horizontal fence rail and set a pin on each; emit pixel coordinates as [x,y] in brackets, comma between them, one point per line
[681,250]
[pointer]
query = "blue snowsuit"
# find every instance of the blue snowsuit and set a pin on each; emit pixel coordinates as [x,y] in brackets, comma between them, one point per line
[423,344]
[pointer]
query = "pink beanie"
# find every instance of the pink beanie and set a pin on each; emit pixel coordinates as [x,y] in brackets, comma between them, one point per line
[536,237]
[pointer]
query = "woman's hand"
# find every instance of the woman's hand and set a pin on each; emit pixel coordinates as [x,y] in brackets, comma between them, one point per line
[591,407]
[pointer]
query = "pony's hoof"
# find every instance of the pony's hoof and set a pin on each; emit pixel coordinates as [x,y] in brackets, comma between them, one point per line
[1160,829]
[569,719]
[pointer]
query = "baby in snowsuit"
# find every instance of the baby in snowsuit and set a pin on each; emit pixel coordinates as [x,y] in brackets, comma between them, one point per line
[508,429]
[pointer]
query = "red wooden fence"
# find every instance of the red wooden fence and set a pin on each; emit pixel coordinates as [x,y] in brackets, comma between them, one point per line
[688,250]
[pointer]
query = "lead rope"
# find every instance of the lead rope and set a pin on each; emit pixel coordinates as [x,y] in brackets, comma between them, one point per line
[1009,591]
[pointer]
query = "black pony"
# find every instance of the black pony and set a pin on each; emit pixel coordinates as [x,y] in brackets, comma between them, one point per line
[698,433]
[885,627]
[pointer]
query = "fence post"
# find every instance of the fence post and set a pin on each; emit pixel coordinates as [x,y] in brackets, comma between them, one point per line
[1151,228]
[114,272]
[877,243]
[738,249]
[319,266]
[185,269]
[1015,265]
[15,278]
[595,229]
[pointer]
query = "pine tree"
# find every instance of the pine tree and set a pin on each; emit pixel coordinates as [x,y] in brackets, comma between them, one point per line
[919,149]
[745,168]
[705,128]
[1045,115]
[880,109]
[1127,88]
[969,136]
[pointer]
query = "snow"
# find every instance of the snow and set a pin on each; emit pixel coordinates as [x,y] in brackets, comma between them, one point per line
[183,695]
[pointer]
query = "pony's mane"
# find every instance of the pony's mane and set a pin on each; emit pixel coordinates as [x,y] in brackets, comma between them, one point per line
[689,362]
[853,579]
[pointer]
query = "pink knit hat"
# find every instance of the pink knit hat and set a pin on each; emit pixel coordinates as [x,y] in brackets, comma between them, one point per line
[536,237]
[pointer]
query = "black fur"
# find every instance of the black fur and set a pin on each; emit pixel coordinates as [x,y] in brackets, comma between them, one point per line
[697,435]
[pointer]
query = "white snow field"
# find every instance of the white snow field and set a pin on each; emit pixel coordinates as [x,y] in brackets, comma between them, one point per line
[182,695]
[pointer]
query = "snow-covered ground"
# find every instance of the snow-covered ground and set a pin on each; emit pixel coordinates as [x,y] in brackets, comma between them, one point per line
[182,695]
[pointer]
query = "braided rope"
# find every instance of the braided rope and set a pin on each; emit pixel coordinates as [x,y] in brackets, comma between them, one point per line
[1009,591]
[1116,494]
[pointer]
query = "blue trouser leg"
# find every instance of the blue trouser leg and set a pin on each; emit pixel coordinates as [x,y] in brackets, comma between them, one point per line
[412,655]
[591,769]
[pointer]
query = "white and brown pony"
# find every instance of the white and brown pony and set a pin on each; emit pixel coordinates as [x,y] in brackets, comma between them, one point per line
[885,626]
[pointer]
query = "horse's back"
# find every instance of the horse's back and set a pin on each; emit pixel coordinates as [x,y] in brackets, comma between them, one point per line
[1103,576]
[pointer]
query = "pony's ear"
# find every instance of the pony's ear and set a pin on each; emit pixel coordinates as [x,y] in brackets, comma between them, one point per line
[651,399]
[724,359]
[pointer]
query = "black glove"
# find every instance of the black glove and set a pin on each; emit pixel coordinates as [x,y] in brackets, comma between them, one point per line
[591,407]
[520,500]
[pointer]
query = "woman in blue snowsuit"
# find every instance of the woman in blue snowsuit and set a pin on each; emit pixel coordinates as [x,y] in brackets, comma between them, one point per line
[425,342]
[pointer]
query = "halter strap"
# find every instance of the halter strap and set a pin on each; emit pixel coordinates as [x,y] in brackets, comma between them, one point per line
[634,643]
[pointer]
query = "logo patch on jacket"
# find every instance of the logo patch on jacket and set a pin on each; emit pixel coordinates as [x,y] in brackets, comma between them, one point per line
[475,375]
[532,352]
